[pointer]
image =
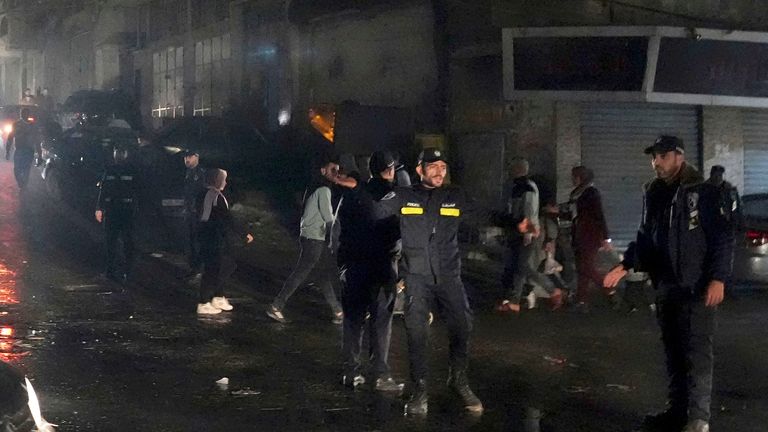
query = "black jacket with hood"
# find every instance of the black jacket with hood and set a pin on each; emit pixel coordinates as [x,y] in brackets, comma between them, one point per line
[699,246]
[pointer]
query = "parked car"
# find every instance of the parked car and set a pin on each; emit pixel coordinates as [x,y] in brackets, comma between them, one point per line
[228,143]
[96,108]
[751,252]
[223,142]
[74,164]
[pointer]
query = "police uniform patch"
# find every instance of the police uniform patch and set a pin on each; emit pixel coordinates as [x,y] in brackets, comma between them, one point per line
[693,201]
[693,211]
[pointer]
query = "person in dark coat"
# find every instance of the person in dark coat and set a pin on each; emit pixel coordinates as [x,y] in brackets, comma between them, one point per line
[685,244]
[589,231]
[116,207]
[26,139]
[194,190]
[216,227]
[729,196]
[367,256]
[430,213]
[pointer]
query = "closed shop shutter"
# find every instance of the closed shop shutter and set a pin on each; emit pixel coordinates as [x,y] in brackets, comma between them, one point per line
[613,137]
[755,126]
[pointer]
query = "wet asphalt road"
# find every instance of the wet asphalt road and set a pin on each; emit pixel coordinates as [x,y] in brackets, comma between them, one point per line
[104,358]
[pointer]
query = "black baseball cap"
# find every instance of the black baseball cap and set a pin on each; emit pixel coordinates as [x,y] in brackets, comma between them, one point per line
[666,143]
[380,161]
[432,154]
[189,152]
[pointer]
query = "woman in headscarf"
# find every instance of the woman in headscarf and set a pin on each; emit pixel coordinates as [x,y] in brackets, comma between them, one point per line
[590,233]
[216,224]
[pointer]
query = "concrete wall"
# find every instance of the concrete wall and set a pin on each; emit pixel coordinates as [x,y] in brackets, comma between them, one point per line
[723,142]
[568,146]
[385,58]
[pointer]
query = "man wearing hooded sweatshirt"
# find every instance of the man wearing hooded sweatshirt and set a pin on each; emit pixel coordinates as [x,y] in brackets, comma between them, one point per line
[316,224]
[685,244]
[368,250]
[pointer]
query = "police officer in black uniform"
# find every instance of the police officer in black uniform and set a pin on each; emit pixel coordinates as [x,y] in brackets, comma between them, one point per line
[431,266]
[367,257]
[116,207]
[685,245]
[26,139]
[194,190]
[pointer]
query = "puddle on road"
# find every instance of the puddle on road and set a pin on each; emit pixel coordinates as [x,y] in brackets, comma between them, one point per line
[87,288]
[16,342]
[8,294]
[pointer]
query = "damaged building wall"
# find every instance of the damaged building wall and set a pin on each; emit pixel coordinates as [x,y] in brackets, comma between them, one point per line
[381,57]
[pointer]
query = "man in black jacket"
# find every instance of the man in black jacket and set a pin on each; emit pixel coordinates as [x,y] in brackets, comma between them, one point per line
[685,245]
[430,214]
[367,257]
[116,207]
[194,190]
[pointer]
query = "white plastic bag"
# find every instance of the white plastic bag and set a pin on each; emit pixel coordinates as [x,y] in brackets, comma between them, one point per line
[551,266]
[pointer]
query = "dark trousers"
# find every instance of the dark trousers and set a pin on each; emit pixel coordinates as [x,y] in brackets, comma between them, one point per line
[367,289]
[314,255]
[450,298]
[586,260]
[22,165]
[687,331]
[518,267]
[218,267]
[119,227]
[194,259]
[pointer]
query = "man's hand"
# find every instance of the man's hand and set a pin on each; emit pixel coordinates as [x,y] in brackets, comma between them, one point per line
[614,276]
[248,238]
[99,216]
[715,293]
[345,181]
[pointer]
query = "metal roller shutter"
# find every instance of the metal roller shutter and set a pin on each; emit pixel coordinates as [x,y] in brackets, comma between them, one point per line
[613,137]
[755,126]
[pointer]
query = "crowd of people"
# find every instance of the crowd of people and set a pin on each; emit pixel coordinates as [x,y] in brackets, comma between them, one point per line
[380,237]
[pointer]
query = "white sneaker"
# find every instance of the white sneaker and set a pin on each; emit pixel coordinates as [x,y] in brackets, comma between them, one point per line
[222,303]
[531,298]
[207,309]
[696,426]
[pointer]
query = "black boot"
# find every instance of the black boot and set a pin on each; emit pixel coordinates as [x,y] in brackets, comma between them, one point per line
[457,380]
[417,404]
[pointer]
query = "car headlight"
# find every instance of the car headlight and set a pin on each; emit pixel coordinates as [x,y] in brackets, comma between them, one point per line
[8,128]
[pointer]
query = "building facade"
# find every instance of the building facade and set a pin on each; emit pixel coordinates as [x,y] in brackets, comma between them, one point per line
[441,61]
